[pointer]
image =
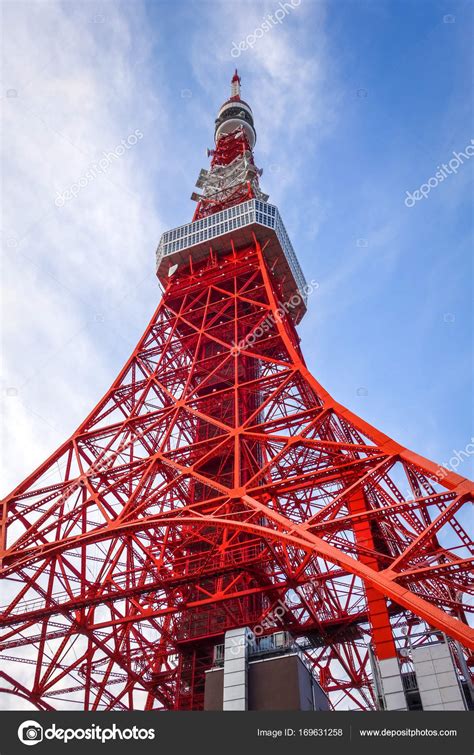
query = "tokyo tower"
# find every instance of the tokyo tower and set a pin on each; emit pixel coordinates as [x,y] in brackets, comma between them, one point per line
[218,489]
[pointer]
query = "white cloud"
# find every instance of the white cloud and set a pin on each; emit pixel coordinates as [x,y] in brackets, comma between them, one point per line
[82,88]
[284,78]
[80,91]
[72,273]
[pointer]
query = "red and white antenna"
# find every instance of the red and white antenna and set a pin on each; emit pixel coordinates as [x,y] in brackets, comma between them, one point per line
[235,86]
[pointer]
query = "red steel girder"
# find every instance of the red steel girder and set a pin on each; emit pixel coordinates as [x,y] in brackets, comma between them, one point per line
[211,480]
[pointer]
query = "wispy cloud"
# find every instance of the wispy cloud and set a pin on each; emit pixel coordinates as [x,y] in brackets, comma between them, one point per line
[80,278]
[287,78]
[74,92]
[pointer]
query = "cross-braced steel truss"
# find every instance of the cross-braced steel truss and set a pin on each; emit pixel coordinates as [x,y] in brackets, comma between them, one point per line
[215,480]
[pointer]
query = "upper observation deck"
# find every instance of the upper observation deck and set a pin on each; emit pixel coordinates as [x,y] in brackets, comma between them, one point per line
[238,222]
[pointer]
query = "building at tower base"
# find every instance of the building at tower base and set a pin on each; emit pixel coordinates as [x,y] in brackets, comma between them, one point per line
[434,680]
[268,673]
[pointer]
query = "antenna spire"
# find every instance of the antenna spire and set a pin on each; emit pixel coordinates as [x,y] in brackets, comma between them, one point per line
[235,86]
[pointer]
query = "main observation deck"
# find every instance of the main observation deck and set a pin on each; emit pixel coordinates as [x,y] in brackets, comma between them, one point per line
[239,223]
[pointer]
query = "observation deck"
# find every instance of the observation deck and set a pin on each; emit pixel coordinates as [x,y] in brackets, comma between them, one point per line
[238,222]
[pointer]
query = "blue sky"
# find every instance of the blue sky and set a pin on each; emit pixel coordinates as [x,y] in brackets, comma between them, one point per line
[355,103]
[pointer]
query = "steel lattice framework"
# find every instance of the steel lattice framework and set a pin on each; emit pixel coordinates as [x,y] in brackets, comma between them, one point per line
[233,177]
[214,479]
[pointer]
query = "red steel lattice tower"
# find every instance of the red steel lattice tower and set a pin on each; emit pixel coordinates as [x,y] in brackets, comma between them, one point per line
[217,479]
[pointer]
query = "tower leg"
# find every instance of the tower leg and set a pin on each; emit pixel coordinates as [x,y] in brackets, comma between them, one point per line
[382,636]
